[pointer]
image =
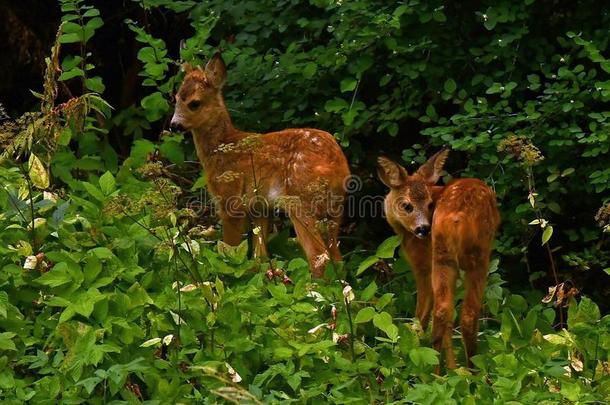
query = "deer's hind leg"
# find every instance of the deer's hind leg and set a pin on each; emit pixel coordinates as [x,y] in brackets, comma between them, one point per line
[475,278]
[310,238]
[444,276]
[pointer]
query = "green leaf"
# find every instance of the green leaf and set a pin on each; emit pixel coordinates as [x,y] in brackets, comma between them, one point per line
[70,74]
[369,291]
[336,105]
[3,304]
[94,191]
[365,315]
[348,84]
[546,235]
[384,322]
[6,342]
[155,106]
[151,342]
[147,55]
[173,151]
[450,86]
[388,246]
[384,300]
[90,27]
[58,275]
[421,356]
[95,84]
[107,183]
[102,253]
[366,263]
[65,136]
[309,70]
[586,311]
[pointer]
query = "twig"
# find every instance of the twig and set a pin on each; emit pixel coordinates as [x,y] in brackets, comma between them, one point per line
[351,328]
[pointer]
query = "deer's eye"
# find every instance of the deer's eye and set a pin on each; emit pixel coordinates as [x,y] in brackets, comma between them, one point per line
[407,207]
[431,206]
[193,105]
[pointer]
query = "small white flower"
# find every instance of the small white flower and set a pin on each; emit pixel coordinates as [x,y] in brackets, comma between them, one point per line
[348,294]
[315,329]
[30,263]
[235,377]
[188,288]
[168,339]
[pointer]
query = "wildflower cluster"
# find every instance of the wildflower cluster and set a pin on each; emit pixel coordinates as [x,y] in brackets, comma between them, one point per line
[522,149]
[603,217]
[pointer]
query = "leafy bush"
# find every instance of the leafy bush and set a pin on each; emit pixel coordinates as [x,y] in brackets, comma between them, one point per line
[127,305]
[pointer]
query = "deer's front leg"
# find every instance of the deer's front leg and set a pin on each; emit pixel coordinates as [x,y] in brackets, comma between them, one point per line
[419,256]
[233,227]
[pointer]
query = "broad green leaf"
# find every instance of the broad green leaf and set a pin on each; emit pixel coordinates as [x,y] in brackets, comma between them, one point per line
[421,356]
[107,183]
[388,246]
[6,341]
[336,105]
[94,191]
[58,275]
[384,322]
[366,263]
[155,106]
[348,84]
[450,86]
[365,315]
[309,70]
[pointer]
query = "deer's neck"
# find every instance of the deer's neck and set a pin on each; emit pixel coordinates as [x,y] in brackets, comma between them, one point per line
[216,130]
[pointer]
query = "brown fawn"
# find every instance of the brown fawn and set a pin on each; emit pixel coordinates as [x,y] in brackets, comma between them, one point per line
[300,171]
[444,228]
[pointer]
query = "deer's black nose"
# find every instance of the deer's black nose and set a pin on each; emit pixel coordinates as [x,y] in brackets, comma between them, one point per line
[175,126]
[422,230]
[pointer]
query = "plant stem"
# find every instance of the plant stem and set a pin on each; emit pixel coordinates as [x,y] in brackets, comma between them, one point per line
[351,328]
[532,190]
[31,201]
[595,357]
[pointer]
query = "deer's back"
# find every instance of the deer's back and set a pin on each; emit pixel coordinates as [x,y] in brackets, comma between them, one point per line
[466,216]
[304,163]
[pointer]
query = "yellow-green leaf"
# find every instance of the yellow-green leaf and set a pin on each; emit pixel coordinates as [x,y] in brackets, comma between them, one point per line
[546,235]
[38,173]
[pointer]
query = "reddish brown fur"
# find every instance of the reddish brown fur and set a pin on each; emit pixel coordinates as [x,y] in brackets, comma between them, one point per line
[464,220]
[300,170]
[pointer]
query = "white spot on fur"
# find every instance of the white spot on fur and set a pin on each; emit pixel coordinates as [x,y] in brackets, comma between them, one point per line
[321,260]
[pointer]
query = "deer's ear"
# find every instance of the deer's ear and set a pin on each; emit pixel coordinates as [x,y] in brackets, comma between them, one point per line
[216,71]
[391,173]
[432,169]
